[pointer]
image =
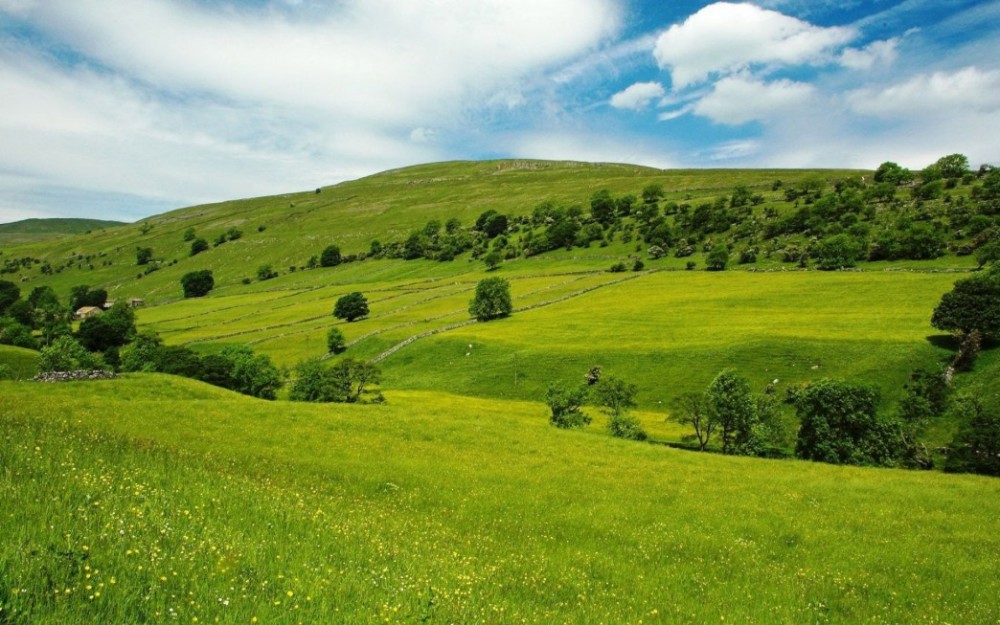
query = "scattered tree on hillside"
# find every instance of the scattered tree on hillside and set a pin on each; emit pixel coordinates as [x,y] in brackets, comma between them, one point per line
[108,331]
[976,446]
[197,283]
[266,272]
[565,404]
[198,246]
[65,354]
[837,252]
[82,295]
[617,396]
[16,334]
[971,310]
[335,342]
[492,260]
[250,373]
[351,306]
[695,410]
[330,257]
[492,299]
[143,255]
[840,425]
[717,259]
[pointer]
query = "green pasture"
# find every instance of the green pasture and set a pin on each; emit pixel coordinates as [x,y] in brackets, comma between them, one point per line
[157,499]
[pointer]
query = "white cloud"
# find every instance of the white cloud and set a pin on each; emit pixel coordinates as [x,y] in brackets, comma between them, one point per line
[572,146]
[637,96]
[876,53]
[726,37]
[192,102]
[734,150]
[739,99]
[940,93]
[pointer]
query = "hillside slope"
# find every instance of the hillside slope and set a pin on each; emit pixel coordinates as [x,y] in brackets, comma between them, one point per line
[154,498]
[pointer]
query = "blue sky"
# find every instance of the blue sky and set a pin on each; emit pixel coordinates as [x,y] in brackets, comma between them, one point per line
[120,110]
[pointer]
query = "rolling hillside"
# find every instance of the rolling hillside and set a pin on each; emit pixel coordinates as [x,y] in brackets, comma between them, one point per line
[28,230]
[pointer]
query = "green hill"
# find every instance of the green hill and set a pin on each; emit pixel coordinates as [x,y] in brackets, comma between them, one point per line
[28,230]
[154,498]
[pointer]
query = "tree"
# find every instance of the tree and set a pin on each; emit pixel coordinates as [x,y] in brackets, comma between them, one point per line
[266,272]
[492,260]
[837,252]
[731,402]
[565,404]
[351,306]
[65,354]
[988,253]
[840,425]
[197,283]
[114,328]
[250,373]
[198,246]
[602,207]
[717,259]
[695,410]
[617,396]
[9,293]
[973,304]
[312,382]
[335,342]
[81,295]
[16,334]
[351,377]
[892,173]
[492,299]
[141,354]
[953,165]
[652,193]
[330,256]
[976,446]
[143,255]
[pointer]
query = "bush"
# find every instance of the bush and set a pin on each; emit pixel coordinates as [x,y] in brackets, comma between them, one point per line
[65,354]
[976,446]
[717,259]
[626,426]
[266,272]
[16,334]
[198,246]
[197,283]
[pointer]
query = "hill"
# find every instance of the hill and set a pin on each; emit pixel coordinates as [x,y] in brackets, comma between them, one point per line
[156,498]
[28,230]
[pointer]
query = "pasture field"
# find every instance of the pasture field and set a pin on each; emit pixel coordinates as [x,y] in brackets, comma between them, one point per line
[157,499]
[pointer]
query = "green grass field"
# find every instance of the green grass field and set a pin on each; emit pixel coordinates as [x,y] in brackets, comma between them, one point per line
[152,499]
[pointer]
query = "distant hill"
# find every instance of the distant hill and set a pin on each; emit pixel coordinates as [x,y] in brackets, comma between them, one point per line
[38,229]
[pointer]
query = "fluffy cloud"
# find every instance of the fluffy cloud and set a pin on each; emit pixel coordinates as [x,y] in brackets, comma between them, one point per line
[740,99]
[875,53]
[940,93]
[725,37]
[181,101]
[637,96]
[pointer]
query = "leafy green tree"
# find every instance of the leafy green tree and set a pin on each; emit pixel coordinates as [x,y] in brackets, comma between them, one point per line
[335,342]
[840,425]
[972,305]
[198,246]
[953,165]
[976,446]
[732,405]
[602,207]
[114,328]
[16,334]
[652,193]
[82,295]
[189,235]
[65,354]
[351,306]
[837,252]
[9,293]
[266,272]
[22,312]
[492,260]
[892,173]
[143,255]
[197,283]
[616,397]
[988,253]
[565,404]
[717,259]
[352,377]
[250,373]
[313,382]
[141,354]
[695,410]
[330,257]
[492,299]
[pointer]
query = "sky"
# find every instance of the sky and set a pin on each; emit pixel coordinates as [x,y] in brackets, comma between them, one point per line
[115,109]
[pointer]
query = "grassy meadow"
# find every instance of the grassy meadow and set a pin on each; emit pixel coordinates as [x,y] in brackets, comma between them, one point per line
[156,499]
[152,498]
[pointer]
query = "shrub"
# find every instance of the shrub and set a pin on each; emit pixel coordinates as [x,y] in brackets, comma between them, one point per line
[626,426]
[330,257]
[65,354]
[198,246]
[565,404]
[335,342]
[717,259]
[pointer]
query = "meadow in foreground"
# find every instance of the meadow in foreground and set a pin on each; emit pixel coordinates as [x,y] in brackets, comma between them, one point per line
[156,499]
